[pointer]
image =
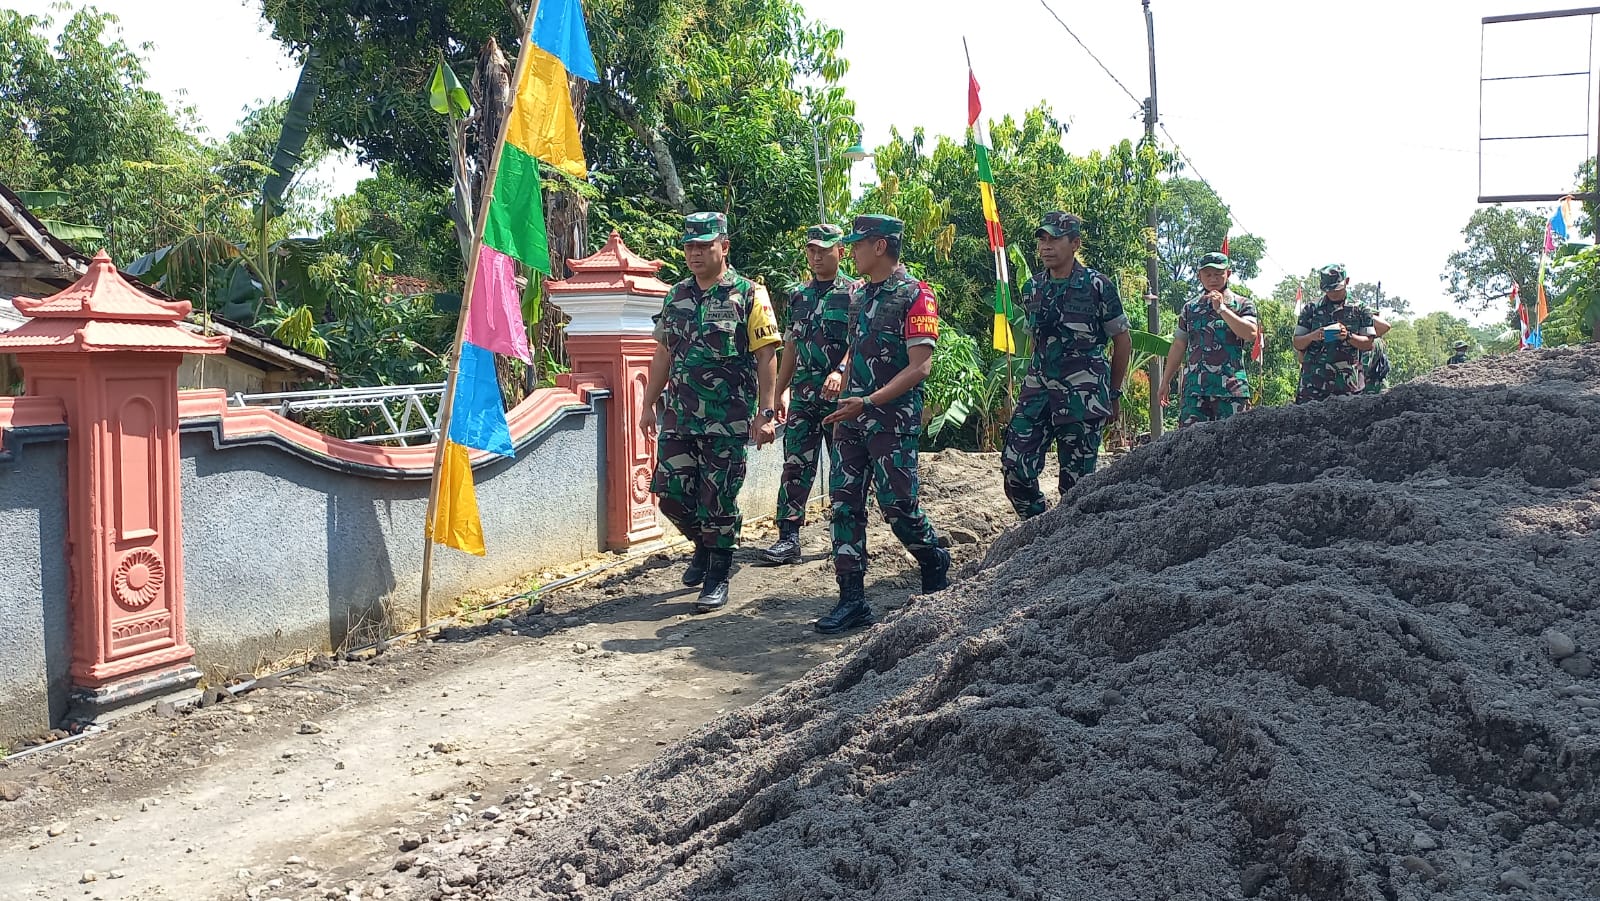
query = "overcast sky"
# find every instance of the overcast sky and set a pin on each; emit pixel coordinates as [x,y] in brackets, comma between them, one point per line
[1339,132]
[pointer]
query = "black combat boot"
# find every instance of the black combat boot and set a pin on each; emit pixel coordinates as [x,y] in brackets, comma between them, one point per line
[935,563]
[714,593]
[787,548]
[852,611]
[695,572]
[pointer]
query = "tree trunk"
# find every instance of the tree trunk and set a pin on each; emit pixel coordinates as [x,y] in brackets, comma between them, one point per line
[491,82]
[656,143]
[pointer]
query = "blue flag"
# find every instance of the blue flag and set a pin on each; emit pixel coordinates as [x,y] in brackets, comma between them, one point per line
[1558,224]
[559,30]
[478,419]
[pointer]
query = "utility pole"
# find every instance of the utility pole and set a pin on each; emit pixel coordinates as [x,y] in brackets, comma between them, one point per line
[1152,297]
[816,156]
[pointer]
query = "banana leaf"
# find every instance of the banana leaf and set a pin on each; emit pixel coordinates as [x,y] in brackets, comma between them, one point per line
[446,95]
[68,231]
[1147,343]
[43,200]
[287,156]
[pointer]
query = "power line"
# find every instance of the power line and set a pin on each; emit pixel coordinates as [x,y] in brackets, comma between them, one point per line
[1103,67]
[1188,161]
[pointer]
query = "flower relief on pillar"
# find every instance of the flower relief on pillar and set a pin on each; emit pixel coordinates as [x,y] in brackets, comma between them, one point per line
[611,299]
[110,351]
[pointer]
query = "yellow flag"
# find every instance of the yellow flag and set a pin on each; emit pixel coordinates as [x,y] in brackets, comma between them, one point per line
[455,521]
[542,122]
[991,212]
[1003,341]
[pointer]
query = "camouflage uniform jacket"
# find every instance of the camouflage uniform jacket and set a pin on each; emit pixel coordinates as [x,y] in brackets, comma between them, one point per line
[1457,358]
[1072,320]
[1332,368]
[892,316]
[1214,358]
[711,336]
[819,326]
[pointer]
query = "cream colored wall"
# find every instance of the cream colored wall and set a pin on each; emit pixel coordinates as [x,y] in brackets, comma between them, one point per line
[220,372]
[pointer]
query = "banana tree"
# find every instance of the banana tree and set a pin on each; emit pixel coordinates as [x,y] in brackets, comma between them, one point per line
[38,201]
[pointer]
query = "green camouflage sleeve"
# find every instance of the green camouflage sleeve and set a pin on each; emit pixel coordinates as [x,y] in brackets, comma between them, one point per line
[1302,325]
[1112,318]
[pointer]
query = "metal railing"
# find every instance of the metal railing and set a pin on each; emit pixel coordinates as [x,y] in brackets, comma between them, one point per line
[414,420]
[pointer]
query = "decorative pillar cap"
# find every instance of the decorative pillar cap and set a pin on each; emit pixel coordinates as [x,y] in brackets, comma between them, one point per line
[614,269]
[103,311]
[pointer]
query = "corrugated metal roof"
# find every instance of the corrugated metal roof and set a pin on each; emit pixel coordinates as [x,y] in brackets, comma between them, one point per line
[9,317]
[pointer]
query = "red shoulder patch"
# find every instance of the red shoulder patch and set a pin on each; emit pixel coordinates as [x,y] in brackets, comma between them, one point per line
[922,319]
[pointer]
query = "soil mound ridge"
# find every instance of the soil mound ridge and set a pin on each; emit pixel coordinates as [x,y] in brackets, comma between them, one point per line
[1330,652]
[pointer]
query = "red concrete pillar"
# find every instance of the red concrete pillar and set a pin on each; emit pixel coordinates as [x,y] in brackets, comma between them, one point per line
[110,352]
[611,298]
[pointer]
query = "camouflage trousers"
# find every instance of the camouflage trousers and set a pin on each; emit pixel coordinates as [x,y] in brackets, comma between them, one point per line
[1209,408]
[1028,439]
[890,461]
[1310,392]
[697,481]
[802,444]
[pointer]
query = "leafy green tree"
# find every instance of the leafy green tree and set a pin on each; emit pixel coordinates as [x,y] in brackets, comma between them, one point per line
[75,117]
[1502,248]
[1416,346]
[935,191]
[1384,303]
[1274,378]
[702,104]
[1192,222]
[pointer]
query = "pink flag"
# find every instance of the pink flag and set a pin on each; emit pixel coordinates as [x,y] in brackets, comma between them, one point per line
[494,321]
[1549,239]
[1522,314]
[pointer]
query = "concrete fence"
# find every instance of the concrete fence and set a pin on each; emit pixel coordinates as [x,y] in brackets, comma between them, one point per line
[152,537]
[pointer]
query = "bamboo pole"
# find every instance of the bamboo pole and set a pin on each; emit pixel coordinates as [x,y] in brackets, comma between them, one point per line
[1002,274]
[453,369]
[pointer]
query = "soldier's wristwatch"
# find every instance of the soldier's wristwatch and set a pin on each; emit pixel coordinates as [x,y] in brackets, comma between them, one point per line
[1116,393]
[769,414]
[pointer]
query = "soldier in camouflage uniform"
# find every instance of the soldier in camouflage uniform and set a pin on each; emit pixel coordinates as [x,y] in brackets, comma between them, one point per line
[879,418]
[809,380]
[1332,333]
[1216,332]
[715,359]
[1071,391]
[1460,355]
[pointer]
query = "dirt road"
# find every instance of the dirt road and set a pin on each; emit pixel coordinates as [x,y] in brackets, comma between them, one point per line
[311,787]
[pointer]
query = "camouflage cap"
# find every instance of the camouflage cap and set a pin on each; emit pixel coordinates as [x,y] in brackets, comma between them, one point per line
[874,226]
[699,228]
[1462,345]
[1216,261]
[1332,276]
[1057,224]
[824,236]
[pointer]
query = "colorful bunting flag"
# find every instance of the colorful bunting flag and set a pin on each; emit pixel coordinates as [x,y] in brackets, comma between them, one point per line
[456,522]
[478,415]
[1224,245]
[1522,316]
[1558,225]
[541,126]
[1004,341]
[494,320]
[559,29]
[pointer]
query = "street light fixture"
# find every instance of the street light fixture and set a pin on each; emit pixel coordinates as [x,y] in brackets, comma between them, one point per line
[855,153]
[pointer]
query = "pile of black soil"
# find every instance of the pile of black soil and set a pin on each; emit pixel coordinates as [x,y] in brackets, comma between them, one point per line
[1339,651]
